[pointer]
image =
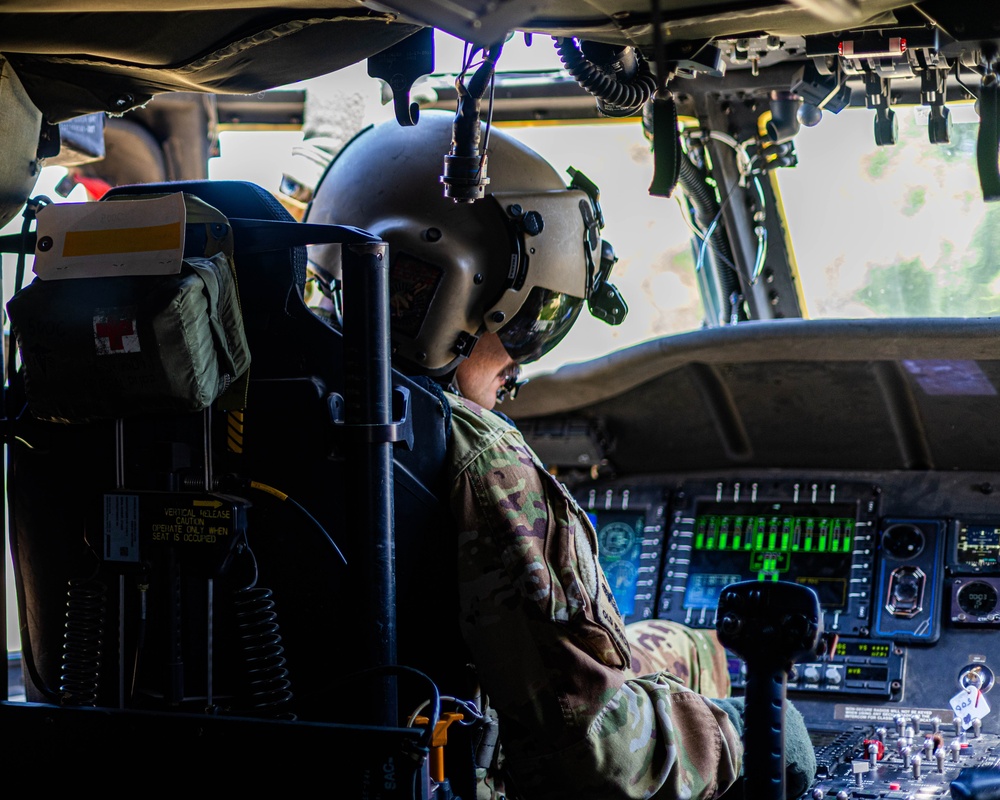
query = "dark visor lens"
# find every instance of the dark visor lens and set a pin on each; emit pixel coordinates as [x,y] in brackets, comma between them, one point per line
[540,324]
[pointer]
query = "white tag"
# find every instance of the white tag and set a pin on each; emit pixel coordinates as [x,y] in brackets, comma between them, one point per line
[111,238]
[968,705]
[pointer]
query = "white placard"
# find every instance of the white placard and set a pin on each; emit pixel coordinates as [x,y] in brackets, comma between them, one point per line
[111,238]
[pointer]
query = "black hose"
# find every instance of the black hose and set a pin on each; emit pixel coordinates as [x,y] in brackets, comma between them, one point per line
[617,96]
[480,81]
[466,130]
[464,175]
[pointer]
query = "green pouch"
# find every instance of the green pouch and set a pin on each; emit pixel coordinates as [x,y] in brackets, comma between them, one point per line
[125,345]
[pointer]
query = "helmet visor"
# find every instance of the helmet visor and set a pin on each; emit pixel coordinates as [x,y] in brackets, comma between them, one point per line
[540,324]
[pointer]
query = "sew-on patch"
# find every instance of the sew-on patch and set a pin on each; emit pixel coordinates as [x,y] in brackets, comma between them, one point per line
[116,331]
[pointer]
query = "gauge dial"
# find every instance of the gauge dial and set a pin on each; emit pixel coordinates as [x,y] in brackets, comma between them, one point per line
[621,576]
[977,598]
[615,539]
[903,541]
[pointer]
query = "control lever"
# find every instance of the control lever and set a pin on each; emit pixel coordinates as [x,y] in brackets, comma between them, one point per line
[770,625]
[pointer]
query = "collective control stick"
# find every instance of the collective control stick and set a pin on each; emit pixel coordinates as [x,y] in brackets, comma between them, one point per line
[770,625]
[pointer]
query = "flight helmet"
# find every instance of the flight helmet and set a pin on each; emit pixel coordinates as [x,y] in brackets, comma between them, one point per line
[519,261]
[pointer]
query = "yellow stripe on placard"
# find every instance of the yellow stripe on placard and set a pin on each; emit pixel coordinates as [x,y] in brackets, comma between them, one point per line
[122,240]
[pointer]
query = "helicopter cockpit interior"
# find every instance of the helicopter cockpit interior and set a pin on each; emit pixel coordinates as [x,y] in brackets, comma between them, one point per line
[183,573]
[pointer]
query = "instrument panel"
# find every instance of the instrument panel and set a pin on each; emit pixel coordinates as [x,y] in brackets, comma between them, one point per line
[906,567]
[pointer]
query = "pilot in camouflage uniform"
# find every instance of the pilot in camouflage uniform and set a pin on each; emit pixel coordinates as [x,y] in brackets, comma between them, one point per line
[553,651]
[587,707]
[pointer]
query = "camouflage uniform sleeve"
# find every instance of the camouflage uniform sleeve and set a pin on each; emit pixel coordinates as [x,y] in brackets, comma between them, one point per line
[695,656]
[551,647]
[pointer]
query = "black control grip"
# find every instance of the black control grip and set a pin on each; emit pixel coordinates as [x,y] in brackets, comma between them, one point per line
[770,625]
[976,783]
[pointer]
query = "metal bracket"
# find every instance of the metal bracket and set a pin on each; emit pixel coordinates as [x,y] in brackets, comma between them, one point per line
[399,430]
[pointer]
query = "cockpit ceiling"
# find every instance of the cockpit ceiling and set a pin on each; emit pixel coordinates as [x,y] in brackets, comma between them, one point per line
[78,57]
[631,21]
[78,63]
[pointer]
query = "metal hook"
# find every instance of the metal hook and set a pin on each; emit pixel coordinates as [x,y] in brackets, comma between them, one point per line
[400,66]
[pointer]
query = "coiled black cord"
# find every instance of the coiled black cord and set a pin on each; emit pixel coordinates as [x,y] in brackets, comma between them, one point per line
[617,96]
[260,641]
[81,659]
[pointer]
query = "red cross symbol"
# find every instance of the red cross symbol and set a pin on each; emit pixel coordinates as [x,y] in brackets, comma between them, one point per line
[114,331]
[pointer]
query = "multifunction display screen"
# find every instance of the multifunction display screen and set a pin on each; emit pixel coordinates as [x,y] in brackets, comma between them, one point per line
[619,549]
[977,546]
[811,545]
